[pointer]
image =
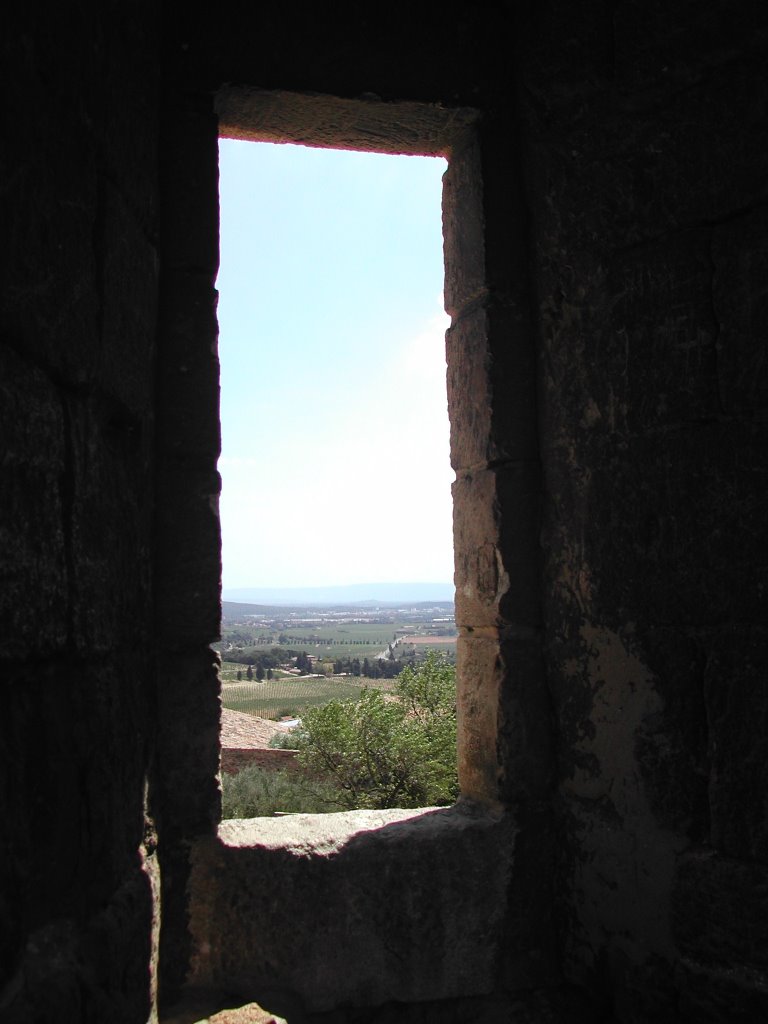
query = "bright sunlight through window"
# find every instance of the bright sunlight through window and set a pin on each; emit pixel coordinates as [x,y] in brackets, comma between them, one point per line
[335,461]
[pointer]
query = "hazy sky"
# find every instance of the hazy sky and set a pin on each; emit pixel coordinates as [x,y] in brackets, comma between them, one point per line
[333,406]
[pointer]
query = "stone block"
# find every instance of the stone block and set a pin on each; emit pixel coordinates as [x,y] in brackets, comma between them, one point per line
[34,596]
[73,744]
[707,995]
[93,282]
[188,568]
[189,711]
[615,178]
[525,738]
[506,216]
[491,389]
[479,683]
[720,912]
[123,88]
[128,287]
[666,528]
[655,360]
[353,909]
[73,961]
[504,721]
[496,546]
[188,368]
[110,521]
[736,696]
[190,186]
[50,292]
[463,229]
[740,302]
[670,759]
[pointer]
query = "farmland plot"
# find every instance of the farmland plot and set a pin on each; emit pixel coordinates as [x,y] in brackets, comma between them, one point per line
[290,695]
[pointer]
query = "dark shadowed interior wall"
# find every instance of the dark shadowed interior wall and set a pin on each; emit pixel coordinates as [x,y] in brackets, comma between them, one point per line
[77,345]
[608,380]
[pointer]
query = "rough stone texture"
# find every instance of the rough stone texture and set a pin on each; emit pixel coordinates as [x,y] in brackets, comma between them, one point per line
[707,890]
[491,389]
[357,888]
[647,207]
[735,685]
[606,253]
[365,124]
[187,555]
[558,1005]
[78,869]
[495,546]
[205,1007]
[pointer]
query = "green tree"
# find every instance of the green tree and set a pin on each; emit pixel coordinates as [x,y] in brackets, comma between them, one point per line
[249,673]
[381,752]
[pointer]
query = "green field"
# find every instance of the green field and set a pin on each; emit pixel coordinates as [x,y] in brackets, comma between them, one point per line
[354,639]
[290,695]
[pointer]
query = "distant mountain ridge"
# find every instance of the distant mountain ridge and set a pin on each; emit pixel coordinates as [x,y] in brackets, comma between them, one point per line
[352,593]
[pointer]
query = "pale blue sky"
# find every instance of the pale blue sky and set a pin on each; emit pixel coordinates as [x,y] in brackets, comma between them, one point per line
[334,462]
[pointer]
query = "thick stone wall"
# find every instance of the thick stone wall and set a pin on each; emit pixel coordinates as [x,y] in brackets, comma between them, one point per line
[606,263]
[78,306]
[606,365]
[648,197]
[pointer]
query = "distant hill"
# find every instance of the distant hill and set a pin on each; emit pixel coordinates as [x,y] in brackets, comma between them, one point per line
[353,593]
[233,611]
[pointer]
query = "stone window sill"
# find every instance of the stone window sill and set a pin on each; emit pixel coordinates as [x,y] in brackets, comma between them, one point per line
[355,908]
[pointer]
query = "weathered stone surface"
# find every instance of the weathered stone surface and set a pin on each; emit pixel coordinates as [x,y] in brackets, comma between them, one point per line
[188,420]
[720,911]
[736,695]
[382,905]
[189,707]
[491,389]
[128,306]
[503,721]
[553,1005]
[671,746]
[740,303]
[33,598]
[666,535]
[496,551]
[613,207]
[252,1013]
[710,996]
[190,181]
[480,679]
[621,859]
[110,517]
[658,361]
[363,123]
[188,557]
[463,229]
[214,1007]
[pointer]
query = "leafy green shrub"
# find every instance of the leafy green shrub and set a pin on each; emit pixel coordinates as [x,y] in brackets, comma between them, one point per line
[257,792]
[384,752]
[283,741]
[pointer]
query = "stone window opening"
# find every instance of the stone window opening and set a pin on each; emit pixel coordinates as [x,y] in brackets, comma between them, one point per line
[367,398]
[430,928]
